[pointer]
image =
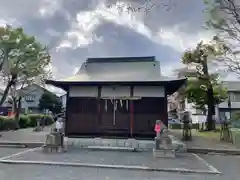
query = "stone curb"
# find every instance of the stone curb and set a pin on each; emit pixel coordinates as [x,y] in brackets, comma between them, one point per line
[111,148]
[139,168]
[20,144]
[197,150]
[211,150]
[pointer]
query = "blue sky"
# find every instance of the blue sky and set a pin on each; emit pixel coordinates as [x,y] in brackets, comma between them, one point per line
[77,29]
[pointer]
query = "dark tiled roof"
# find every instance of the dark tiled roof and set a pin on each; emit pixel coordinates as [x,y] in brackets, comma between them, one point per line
[121,59]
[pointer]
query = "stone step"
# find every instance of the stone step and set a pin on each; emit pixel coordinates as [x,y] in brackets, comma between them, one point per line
[111,148]
[164,153]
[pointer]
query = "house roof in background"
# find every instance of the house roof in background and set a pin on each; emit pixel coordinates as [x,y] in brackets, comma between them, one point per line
[232,85]
[38,86]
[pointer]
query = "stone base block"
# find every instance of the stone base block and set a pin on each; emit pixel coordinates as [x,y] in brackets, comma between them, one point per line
[164,153]
[48,149]
[132,143]
[37,129]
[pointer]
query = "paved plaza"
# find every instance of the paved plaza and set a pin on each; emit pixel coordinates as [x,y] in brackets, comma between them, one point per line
[82,163]
[113,158]
[40,171]
[23,172]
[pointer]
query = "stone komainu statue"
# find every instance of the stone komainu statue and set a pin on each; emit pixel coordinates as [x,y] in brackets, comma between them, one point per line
[54,141]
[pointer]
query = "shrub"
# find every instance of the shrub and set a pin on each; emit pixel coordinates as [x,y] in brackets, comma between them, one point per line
[7,123]
[24,121]
[2,118]
[235,116]
[34,117]
[176,126]
[195,126]
[49,120]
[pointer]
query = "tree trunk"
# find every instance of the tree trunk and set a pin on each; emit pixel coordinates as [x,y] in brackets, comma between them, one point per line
[210,104]
[17,112]
[6,90]
[5,93]
[210,95]
[1,65]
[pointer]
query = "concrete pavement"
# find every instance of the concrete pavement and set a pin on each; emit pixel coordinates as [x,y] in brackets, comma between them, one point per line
[229,165]
[142,161]
[23,172]
[28,138]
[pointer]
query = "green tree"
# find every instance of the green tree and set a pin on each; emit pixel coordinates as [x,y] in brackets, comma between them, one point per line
[223,17]
[23,59]
[203,87]
[51,102]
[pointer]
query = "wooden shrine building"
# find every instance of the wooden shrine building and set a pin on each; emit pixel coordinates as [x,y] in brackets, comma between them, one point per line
[118,97]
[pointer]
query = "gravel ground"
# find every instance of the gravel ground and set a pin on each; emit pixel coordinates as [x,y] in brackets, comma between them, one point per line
[187,161]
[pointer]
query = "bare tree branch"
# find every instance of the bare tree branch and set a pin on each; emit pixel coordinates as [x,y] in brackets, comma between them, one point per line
[225,19]
[136,6]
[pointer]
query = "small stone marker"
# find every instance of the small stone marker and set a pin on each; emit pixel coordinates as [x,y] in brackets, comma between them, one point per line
[38,127]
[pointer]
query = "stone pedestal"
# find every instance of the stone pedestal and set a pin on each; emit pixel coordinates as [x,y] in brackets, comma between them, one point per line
[54,141]
[164,153]
[163,146]
[38,127]
[133,143]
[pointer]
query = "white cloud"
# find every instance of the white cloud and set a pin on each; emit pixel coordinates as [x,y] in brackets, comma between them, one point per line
[168,69]
[82,31]
[3,22]
[53,32]
[49,7]
[75,70]
[181,41]
[64,44]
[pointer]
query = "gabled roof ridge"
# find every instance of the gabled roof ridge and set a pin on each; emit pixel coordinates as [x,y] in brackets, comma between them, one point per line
[121,59]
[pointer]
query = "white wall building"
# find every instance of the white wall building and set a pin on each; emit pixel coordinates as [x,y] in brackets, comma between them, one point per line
[31,97]
[229,105]
[233,102]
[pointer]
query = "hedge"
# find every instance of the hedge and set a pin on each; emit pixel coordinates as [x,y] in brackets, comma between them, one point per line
[7,123]
[179,126]
[236,137]
[25,121]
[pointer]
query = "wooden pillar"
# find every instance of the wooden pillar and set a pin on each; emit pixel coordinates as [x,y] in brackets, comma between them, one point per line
[131,112]
[66,129]
[165,120]
[99,112]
